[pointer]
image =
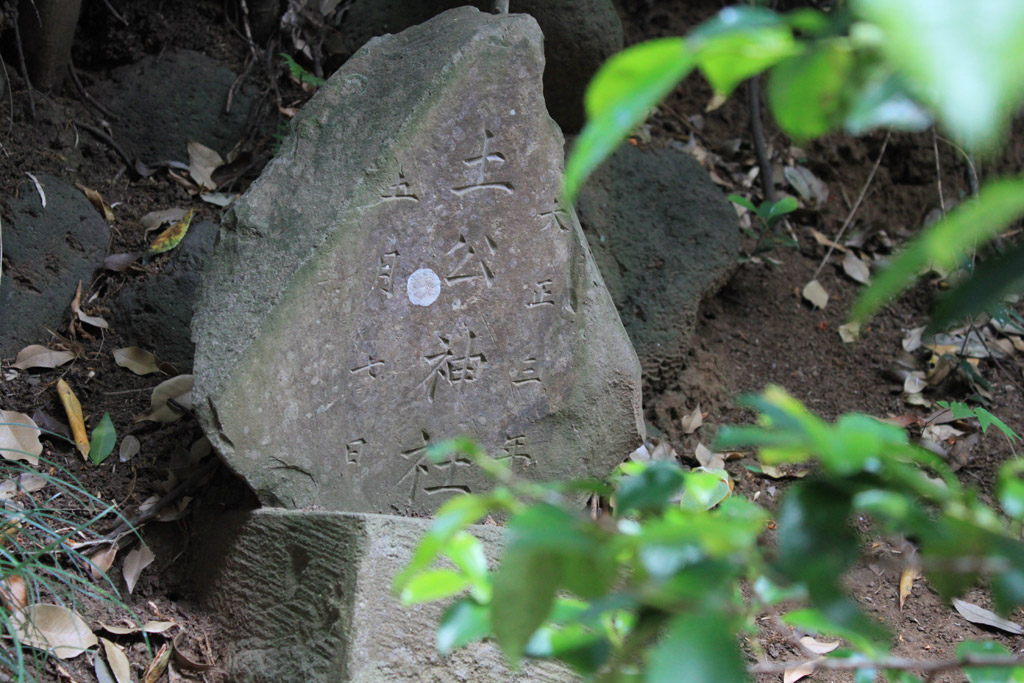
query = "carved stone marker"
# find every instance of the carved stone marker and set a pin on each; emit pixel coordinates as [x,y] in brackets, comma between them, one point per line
[402,273]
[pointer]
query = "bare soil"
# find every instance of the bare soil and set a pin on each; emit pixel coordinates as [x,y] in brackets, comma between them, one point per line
[757,331]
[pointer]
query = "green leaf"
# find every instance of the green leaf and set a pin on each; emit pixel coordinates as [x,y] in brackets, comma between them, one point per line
[701,644]
[103,439]
[1010,488]
[467,553]
[705,489]
[985,674]
[651,490]
[963,58]
[619,97]
[524,590]
[882,102]
[998,203]
[780,208]
[740,42]
[987,420]
[743,201]
[454,516]
[436,584]
[983,291]
[806,92]
[462,623]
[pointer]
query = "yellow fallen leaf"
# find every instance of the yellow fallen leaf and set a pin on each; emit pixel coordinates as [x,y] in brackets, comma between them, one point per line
[907,583]
[172,236]
[74,411]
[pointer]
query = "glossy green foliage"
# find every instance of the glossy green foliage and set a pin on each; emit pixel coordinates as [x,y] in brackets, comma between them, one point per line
[654,588]
[104,436]
[884,63]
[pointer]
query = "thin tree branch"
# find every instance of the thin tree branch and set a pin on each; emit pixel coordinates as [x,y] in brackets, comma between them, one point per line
[888,663]
[757,133]
[856,205]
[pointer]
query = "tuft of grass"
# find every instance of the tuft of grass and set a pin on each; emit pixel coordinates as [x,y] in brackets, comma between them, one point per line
[45,538]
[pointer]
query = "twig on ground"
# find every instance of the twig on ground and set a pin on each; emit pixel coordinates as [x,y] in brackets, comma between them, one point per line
[856,205]
[889,663]
[96,132]
[126,526]
[89,99]
[938,170]
[757,133]
[114,12]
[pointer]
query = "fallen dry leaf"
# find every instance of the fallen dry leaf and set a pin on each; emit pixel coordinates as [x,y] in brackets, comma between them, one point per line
[139,361]
[118,661]
[74,412]
[202,162]
[102,560]
[826,242]
[155,219]
[708,459]
[97,201]
[816,294]
[856,268]
[136,560]
[119,263]
[130,447]
[13,593]
[912,341]
[913,384]
[19,438]
[157,667]
[806,184]
[35,356]
[819,647]
[53,628]
[77,310]
[801,671]
[693,421]
[849,332]
[979,615]
[172,236]
[178,389]
[907,577]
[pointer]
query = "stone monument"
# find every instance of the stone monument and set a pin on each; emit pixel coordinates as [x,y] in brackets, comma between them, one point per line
[403,272]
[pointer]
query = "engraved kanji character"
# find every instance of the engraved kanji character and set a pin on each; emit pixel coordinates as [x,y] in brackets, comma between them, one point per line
[472,260]
[386,272]
[373,367]
[481,166]
[541,294]
[453,366]
[526,372]
[399,190]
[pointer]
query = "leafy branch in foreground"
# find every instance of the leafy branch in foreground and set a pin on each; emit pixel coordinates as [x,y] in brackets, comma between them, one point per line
[868,64]
[656,588]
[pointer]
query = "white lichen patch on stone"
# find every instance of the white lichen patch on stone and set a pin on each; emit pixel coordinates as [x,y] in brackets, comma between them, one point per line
[424,287]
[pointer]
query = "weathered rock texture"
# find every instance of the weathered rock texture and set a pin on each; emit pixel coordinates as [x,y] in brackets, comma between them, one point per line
[579,35]
[156,312]
[305,596]
[46,253]
[402,273]
[164,101]
[665,237]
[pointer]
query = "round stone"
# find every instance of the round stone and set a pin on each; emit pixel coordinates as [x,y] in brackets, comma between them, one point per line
[424,287]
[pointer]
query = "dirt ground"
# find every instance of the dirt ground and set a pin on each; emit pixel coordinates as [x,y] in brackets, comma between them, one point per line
[756,331]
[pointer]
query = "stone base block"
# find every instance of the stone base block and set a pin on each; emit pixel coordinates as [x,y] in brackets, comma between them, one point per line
[307,597]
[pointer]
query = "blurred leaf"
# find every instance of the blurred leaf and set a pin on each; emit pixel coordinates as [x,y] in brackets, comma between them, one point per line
[856,268]
[172,236]
[73,409]
[97,201]
[1010,488]
[103,439]
[806,91]
[705,488]
[35,356]
[740,42]
[963,58]
[454,516]
[524,590]
[202,162]
[703,644]
[156,667]
[807,185]
[907,577]
[619,97]
[462,623]
[651,490]
[19,438]
[882,102]
[998,203]
[53,628]
[984,290]
[435,584]
[13,593]
[986,674]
